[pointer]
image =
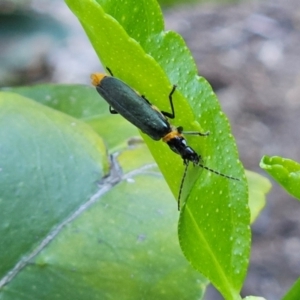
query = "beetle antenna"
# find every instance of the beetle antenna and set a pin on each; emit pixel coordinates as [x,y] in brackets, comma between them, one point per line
[216,172]
[204,167]
[181,185]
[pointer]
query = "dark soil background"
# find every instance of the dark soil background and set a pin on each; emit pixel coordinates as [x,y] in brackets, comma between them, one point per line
[249,52]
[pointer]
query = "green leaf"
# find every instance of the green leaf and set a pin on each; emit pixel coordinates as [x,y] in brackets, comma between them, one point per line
[115,242]
[50,164]
[285,171]
[79,101]
[259,186]
[294,292]
[84,103]
[214,230]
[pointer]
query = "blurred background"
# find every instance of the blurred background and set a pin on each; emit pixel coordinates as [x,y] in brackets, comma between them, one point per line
[250,53]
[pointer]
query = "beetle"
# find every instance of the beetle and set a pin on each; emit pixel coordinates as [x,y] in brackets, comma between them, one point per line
[149,119]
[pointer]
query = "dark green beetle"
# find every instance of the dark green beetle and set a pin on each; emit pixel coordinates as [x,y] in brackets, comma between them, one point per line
[149,119]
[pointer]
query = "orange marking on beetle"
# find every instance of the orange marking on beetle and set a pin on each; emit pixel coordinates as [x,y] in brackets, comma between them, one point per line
[97,78]
[171,135]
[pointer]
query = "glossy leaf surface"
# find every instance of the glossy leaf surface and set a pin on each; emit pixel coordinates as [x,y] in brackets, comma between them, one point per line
[285,171]
[214,223]
[64,236]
